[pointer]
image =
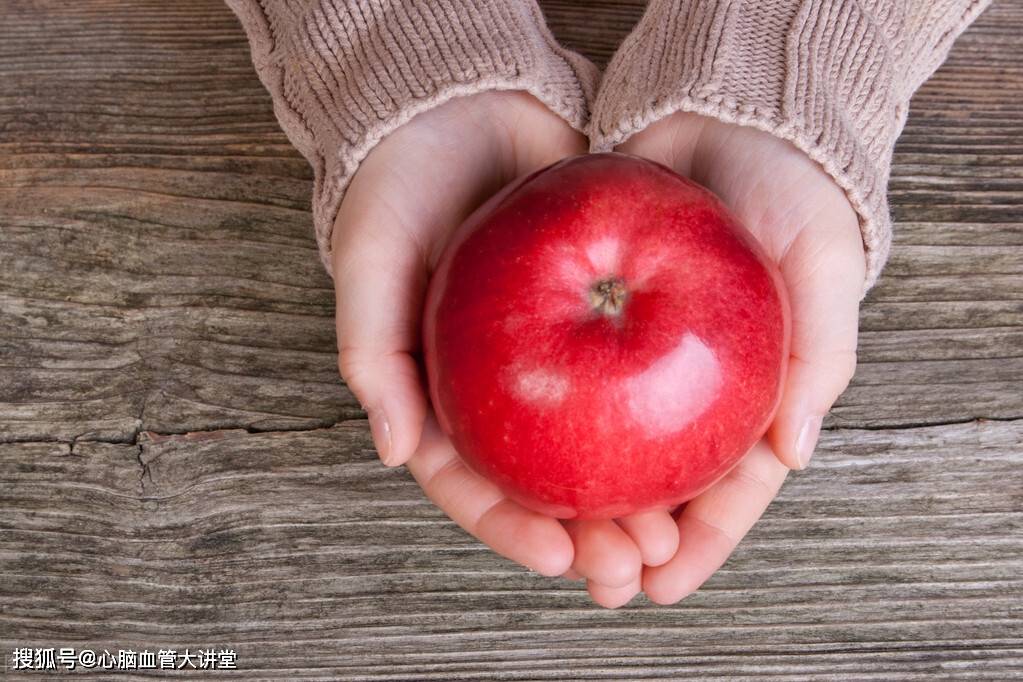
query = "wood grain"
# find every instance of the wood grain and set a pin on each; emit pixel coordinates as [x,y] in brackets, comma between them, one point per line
[303,553]
[158,277]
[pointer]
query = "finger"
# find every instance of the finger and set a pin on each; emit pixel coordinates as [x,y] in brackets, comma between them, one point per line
[654,533]
[380,280]
[824,272]
[604,552]
[713,523]
[393,222]
[536,541]
[613,597]
[392,219]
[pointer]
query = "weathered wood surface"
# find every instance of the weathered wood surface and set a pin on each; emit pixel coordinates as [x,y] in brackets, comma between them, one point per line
[158,276]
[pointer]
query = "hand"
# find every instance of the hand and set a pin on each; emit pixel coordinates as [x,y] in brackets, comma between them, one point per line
[807,226]
[409,195]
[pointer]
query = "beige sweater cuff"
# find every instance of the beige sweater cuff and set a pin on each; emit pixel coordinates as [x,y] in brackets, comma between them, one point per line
[345,73]
[832,77]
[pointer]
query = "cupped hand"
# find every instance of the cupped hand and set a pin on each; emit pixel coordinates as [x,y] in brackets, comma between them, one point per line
[408,197]
[806,225]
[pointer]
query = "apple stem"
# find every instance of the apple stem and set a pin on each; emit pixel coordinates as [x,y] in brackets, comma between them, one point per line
[607,297]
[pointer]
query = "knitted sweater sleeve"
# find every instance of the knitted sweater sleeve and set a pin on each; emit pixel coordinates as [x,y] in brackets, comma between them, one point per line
[834,77]
[345,73]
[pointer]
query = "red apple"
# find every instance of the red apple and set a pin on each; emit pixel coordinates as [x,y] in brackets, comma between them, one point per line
[603,337]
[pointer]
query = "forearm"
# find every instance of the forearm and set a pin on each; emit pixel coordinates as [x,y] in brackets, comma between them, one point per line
[834,78]
[345,73]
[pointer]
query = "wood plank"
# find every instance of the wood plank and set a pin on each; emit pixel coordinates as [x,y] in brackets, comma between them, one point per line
[158,268]
[594,28]
[897,554]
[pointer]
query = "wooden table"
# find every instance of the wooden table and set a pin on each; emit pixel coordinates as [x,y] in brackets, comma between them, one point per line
[181,467]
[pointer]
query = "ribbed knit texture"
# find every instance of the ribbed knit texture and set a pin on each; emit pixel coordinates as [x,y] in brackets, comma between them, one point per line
[834,77]
[345,73]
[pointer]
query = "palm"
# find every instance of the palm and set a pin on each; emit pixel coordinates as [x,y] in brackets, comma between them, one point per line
[807,226]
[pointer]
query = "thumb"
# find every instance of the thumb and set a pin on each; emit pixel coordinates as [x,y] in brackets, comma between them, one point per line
[393,215]
[824,272]
[380,280]
[409,194]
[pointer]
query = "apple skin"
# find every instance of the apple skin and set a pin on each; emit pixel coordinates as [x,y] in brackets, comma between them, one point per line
[603,337]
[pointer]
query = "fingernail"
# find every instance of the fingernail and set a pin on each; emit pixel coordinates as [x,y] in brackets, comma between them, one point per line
[381,431]
[807,440]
